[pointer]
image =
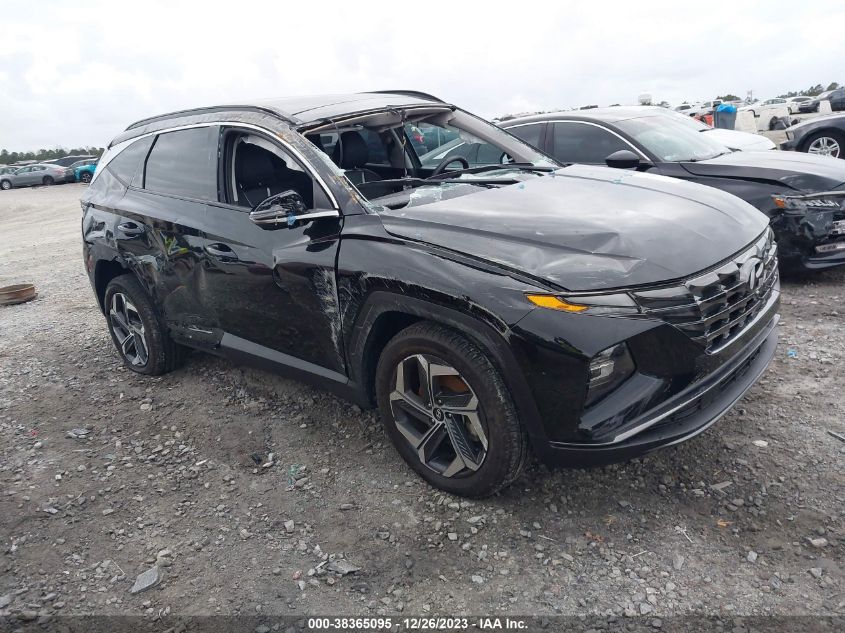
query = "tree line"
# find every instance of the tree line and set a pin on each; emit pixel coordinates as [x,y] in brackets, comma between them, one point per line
[812,91]
[9,158]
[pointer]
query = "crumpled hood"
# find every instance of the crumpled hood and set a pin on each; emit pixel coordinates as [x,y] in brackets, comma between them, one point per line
[589,228]
[802,172]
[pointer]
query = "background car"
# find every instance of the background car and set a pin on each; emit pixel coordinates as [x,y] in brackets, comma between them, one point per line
[39,174]
[824,136]
[67,161]
[85,173]
[642,139]
[70,170]
[836,98]
[732,139]
[688,108]
[793,103]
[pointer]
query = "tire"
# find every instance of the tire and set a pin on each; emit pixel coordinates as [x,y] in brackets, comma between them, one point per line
[85,177]
[825,143]
[48,181]
[5,185]
[129,312]
[495,440]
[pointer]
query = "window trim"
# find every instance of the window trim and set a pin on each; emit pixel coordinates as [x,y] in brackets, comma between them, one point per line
[543,139]
[287,146]
[598,125]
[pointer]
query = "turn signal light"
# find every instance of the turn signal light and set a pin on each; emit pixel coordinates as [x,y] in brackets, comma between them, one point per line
[555,303]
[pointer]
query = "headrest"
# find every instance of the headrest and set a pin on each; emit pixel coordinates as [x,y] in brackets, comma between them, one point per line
[355,151]
[254,165]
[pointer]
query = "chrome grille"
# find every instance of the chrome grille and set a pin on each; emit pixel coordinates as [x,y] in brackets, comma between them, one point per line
[715,307]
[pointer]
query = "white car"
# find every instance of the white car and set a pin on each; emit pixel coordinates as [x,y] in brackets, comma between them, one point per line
[688,108]
[793,102]
[732,139]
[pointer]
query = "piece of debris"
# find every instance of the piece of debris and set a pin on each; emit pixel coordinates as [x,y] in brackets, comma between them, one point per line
[478,580]
[289,526]
[752,557]
[720,487]
[342,566]
[347,506]
[146,580]
[270,461]
[838,436]
[818,542]
[760,443]
[78,434]
[18,293]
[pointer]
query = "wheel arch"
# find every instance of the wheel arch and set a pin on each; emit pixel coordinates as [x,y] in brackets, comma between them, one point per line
[385,314]
[811,136]
[104,271]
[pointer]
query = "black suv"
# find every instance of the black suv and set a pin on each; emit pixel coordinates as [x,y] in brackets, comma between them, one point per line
[485,305]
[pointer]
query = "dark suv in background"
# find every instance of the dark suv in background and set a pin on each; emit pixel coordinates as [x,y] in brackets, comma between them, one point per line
[486,304]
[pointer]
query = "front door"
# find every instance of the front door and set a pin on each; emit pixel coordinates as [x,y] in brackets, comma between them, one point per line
[271,287]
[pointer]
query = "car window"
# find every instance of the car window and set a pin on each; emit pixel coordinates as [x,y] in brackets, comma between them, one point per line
[125,166]
[530,133]
[257,168]
[671,140]
[584,143]
[184,163]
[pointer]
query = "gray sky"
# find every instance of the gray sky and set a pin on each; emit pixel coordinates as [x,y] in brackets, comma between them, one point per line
[76,73]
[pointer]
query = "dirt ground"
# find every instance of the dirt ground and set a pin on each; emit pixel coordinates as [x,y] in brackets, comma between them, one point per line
[105,474]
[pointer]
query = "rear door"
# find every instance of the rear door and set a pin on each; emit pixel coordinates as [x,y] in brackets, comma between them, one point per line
[172,176]
[271,287]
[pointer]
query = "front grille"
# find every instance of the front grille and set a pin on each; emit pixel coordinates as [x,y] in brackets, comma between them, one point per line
[714,308]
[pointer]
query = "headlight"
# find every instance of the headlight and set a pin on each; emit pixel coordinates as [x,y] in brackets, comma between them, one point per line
[618,304]
[608,369]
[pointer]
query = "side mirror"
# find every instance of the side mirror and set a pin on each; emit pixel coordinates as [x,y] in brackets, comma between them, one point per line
[623,159]
[285,209]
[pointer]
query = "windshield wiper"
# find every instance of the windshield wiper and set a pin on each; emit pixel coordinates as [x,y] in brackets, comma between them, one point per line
[484,168]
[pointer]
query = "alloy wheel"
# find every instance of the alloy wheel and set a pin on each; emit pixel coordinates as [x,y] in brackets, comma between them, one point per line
[128,330]
[825,146]
[438,414]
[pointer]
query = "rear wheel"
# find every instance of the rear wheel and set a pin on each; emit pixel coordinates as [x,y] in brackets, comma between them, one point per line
[48,180]
[138,334]
[448,412]
[826,143]
[5,185]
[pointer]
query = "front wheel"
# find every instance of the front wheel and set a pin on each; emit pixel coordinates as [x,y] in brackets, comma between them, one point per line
[85,177]
[5,185]
[138,334]
[826,143]
[448,412]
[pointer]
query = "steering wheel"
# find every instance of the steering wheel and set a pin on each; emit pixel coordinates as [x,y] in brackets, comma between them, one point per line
[443,164]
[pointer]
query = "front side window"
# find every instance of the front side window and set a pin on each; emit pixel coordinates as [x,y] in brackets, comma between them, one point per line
[584,143]
[184,163]
[256,169]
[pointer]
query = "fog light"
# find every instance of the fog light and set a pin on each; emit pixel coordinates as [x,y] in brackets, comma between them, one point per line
[608,369]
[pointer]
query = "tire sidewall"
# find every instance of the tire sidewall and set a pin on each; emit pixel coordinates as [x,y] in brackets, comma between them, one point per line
[130,287]
[839,138]
[497,411]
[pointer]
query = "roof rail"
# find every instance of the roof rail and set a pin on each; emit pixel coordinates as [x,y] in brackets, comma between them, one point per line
[207,110]
[407,93]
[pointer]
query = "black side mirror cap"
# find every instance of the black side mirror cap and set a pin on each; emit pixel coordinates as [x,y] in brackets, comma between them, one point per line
[623,159]
[286,209]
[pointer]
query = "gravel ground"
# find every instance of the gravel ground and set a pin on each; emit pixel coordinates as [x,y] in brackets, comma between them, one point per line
[251,495]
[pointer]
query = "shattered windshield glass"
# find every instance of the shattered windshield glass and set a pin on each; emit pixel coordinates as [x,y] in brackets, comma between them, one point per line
[407,157]
[671,140]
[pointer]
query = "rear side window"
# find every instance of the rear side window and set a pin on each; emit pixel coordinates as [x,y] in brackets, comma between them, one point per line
[126,165]
[529,133]
[184,163]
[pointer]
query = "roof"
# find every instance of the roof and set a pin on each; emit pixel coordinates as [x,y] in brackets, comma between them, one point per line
[310,109]
[609,115]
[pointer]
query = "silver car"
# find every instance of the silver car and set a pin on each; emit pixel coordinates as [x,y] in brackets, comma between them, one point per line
[30,175]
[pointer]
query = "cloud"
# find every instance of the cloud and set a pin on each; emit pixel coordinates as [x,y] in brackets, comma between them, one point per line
[77,77]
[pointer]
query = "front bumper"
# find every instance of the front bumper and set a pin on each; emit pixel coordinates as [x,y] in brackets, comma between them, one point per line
[681,417]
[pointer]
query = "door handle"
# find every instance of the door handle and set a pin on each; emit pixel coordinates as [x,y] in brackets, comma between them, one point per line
[130,229]
[221,251]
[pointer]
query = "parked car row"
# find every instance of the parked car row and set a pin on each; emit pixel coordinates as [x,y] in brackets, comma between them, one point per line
[46,174]
[591,291]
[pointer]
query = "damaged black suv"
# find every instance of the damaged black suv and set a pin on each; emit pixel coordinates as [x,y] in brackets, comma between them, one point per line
[488,304]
